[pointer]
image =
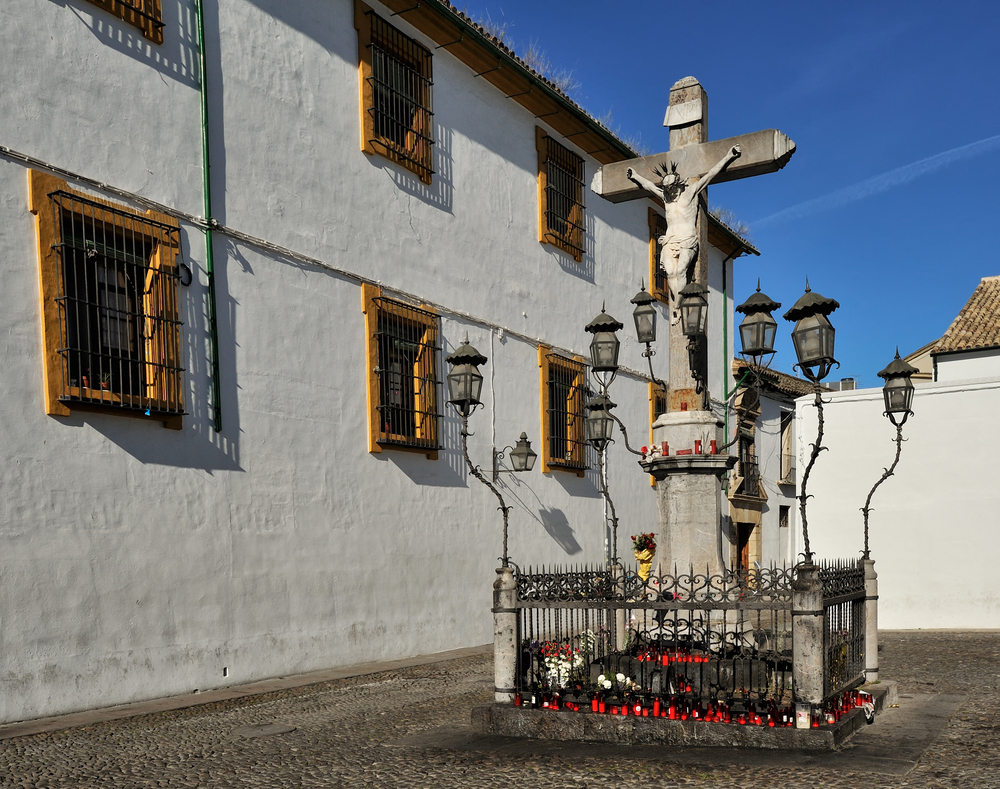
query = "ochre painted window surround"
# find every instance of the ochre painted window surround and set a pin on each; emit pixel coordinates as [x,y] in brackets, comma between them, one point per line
[403,345]
[562,397]
[657,406]
[396,78]
[657,279]
[143,14]
[110,320]
[560,195]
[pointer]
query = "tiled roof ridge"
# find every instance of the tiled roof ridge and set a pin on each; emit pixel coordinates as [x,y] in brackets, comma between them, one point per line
[977,325]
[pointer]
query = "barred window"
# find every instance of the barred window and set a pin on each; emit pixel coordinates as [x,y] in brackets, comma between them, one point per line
[657,277]
[143,14]
[403,385]
[560,195]
[396,82]
[109,288]
[563,396]
[657,407]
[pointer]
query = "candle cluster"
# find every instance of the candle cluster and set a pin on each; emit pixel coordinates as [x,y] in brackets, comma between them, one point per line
[765,712]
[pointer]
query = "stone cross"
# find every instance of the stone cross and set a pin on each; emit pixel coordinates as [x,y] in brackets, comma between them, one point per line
[691,157]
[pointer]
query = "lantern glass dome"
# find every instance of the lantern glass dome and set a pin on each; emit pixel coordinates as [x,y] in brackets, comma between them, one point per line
[813,338]
[644,316]
[694,313]
[599,422]
[465,383]
[522,456]
[757,333]
[604,350]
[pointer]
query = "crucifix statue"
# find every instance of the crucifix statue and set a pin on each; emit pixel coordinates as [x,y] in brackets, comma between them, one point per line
[679,179]
[679,245]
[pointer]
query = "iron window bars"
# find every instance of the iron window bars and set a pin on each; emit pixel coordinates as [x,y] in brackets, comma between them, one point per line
[562,193]
[143,14]
[399,111]
[407,382]
[565,384]
[119,332]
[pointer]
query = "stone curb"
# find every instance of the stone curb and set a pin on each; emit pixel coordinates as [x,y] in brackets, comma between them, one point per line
[509,721]
[90,717]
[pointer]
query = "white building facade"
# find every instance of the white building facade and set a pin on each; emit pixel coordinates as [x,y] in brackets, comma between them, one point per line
[932,524]
[230,463]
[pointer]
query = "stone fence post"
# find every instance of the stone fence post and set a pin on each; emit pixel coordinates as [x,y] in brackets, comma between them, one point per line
[871,621]
[807,635]
[504,636]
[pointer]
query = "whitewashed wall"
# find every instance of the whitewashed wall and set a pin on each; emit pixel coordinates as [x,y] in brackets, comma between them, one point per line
[777,544]
[139,562]
[933,525]
[967,365]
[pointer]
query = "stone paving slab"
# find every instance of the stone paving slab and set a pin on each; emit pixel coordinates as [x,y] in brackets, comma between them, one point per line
[391,729]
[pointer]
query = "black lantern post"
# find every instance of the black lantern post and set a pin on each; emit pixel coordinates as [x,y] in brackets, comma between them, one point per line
[758,328]
[644,316]
[604,348]
[599,424]
[465,384]
[898,396]
[813,339]
[522,456]
[693,307]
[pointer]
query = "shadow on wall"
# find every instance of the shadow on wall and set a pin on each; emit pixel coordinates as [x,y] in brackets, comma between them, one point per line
[150,443]
[440,192]
[557,525]
[175,58]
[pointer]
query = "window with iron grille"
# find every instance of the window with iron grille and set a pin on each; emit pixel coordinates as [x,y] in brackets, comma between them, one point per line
[403,352]
[560,195]
[657,407]
[564,444]
[657,277]
[396,80]
[143,14]
[109,290]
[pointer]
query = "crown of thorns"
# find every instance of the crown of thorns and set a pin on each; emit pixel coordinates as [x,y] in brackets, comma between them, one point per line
[666,168]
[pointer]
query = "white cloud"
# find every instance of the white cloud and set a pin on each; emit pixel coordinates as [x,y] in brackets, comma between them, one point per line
[880,183]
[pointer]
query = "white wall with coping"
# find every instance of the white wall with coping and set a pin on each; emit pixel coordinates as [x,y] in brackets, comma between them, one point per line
[966,365]
[932,525]
[139,562]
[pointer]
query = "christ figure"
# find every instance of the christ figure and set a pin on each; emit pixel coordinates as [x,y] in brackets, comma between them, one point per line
[679,245]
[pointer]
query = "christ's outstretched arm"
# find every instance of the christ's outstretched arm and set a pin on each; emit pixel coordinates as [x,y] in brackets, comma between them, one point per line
[734,153]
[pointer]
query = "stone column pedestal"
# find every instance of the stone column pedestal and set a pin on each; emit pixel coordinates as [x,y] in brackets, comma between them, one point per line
[871,621]
[807,635]
[504,636]
[689,489]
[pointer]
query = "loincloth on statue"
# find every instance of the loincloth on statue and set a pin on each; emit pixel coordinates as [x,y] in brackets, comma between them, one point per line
[675,245]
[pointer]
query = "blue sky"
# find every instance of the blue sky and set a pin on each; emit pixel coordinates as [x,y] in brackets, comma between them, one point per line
[889,204]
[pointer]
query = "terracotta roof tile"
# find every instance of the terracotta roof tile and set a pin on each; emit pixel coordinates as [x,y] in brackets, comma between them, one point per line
[978,324]
[778,382]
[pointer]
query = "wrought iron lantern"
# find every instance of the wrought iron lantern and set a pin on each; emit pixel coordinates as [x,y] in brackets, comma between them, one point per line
[605,345]
[599,422]
[644,316]
[813,334]
[694,310]
[898,389]
[465,382]
[758,328]
[522,456]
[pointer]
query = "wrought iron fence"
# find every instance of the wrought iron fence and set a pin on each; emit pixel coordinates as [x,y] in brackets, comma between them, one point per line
[843,625]
[694,641]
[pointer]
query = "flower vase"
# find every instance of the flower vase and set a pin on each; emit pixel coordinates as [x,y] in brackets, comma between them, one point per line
[645,559]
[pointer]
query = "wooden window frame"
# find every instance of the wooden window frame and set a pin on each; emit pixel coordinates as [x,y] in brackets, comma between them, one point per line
[657,279]
[160,337]
[144,14]
[576,426]
[570,238]
[425,436]
[417,155]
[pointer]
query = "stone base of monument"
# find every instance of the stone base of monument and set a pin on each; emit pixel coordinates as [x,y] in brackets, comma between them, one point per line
[508,721]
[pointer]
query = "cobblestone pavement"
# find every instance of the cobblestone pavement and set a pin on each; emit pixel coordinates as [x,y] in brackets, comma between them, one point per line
[354,733]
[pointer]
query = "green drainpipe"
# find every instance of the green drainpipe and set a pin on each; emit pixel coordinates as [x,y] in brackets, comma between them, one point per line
[209,256]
